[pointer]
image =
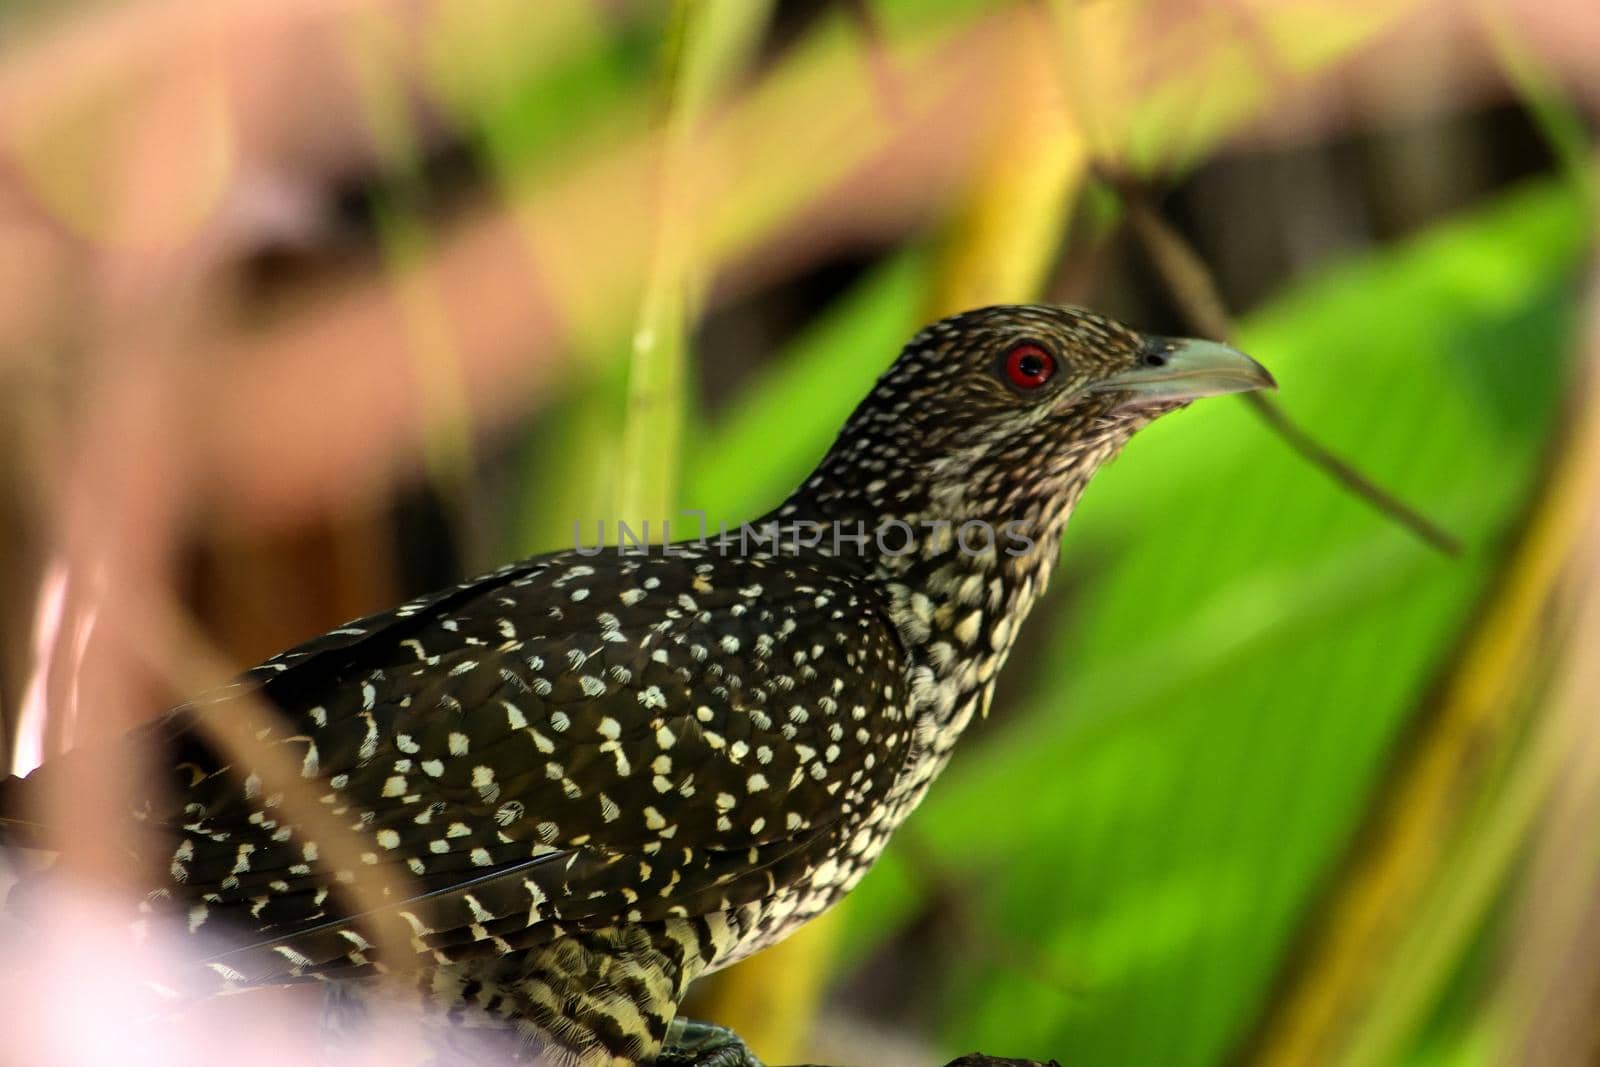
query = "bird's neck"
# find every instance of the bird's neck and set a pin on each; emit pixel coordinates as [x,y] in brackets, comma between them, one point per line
[960,551]
[960,560]
[958,572]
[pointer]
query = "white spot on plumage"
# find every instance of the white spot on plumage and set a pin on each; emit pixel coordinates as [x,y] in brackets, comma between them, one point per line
[514,716]
[369,742]
[1000,636]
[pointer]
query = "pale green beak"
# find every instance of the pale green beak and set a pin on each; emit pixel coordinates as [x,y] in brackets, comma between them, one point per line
[1176,370]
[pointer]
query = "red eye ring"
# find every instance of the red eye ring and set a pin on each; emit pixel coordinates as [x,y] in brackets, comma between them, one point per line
[1028,365]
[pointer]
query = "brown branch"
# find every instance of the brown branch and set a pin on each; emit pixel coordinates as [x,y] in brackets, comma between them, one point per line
[886,82]
[1195,292]
[240,731]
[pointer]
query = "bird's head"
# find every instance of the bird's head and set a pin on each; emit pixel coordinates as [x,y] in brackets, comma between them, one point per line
[1013,402]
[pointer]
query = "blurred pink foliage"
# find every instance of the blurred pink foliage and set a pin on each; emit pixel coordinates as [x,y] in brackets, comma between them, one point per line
[79,991]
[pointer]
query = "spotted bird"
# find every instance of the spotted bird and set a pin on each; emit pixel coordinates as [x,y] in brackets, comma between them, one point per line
[584,780]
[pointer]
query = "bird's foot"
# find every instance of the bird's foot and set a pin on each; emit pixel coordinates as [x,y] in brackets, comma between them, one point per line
[692,1043]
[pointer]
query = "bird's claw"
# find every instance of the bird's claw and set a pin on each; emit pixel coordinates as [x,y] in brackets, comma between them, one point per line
[693,1043]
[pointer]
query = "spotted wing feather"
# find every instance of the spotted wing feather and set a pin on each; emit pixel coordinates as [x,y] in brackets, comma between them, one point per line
[569,741]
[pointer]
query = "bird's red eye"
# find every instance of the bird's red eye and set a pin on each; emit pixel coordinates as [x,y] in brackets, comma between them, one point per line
[1029,366]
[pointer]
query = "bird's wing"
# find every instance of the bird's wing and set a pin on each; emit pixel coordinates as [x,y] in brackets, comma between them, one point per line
[570,741]
[281,679]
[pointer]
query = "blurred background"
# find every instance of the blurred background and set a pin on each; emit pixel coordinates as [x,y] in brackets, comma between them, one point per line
[309,306]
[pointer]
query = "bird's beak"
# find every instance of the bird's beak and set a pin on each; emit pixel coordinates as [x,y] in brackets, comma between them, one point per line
[1176,370]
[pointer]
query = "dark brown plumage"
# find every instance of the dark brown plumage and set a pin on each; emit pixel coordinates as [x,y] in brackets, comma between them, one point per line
[602,775]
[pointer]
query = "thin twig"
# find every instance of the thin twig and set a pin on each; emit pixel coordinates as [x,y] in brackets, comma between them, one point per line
[240,731]
[891,92]
[1347,475]
[1194,290]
